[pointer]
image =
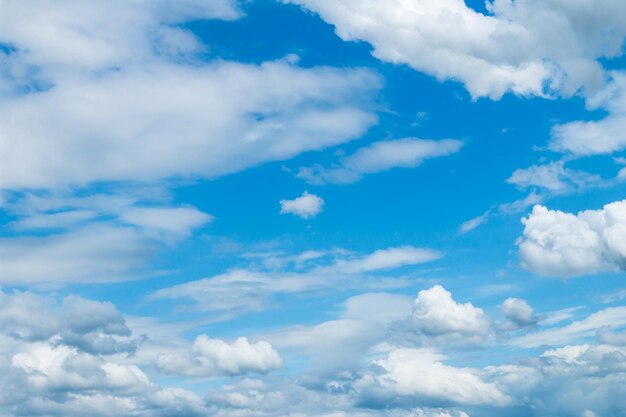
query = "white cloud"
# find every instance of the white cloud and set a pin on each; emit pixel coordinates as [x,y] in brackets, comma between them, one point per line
[553,177]
[564,244]
[215,357]
[98,238]
[525,47]
[179,221]
[566,381]
[233,116]
[436,314]
[603,136]
[383,308]
[419,377]
[94,113]
[614,317]
[378,157]
[90,326]
[306,206]
[387,259]
[473,223]
[519,312]
[96,253]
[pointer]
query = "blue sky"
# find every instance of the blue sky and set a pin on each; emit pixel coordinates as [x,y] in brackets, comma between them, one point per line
[312,208]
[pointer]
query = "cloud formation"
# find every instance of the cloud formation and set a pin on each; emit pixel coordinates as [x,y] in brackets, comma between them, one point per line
[306,206]
[251,289]
[378,157]
[97,116]
[556,243]
[528,47]
[215,357]
[436,314]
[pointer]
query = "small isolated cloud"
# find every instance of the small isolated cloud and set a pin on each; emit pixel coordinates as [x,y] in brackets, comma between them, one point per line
[436,314]
[378,157]
[306,206]
[178,221]
[519,312]
[473,223]
[556,243]
[554,177]
[215,357]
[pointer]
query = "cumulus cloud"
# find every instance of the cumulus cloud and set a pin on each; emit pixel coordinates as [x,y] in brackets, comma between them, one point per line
[562,244]
[215,357]
[306,206]
[519,312]
[378,157]
[528,47]
[572,381]
[436,314]
[418,377]
[91,326]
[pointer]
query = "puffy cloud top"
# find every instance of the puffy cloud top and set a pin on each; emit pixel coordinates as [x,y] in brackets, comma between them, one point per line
[214,357]
[435,313]
[305,206]
[557,243]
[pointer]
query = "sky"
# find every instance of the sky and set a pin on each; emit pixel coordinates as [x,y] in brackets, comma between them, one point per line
[313,208]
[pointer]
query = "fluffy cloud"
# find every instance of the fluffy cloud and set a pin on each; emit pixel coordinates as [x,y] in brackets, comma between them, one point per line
[519,312]
[306,206]
[95,114]
[564,244]
[576,380]
[68,358]
[380,156]
[593,137]
[436,314]
[526,47]
[418,377]
[91,326]
[233,116]
[215,357]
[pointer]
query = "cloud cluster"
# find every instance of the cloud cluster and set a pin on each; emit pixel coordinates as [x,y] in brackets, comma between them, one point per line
[120,96]
[528,47]
[214,357]
[562,244]
[418,377]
